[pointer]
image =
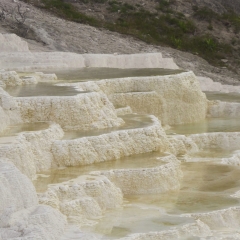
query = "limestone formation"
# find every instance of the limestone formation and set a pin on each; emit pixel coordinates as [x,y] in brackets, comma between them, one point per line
[9,113]
[224,109]
[218,140]
[233,160]
[11,78]
[20,214]
[187,231]
[207,84]
[154,180]
[79,112]
[28,61]
[83,199]
[157,95]
[31,151]
[97,114]
[111,146]
[15,55]
[220,219]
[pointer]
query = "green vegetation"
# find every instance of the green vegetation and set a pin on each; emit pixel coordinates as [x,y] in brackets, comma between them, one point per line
[164,5]
[115,6]
[68,11]
[228,19]
[233,19]
[166,29]
[205,14]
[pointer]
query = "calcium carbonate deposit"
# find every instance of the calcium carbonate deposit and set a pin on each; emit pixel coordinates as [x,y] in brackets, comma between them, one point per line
[136,157]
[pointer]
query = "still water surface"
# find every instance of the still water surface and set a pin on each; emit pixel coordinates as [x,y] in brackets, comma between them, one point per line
[86,74]
[42,89]
[12,131]
[225,97]
[207,125]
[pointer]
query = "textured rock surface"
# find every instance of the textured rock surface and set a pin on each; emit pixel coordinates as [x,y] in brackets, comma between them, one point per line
[174,99]
[123,111]
[11,78]
[31,151]
[224,109]
[80,112]
[222,140]
[83,199]
[233,160]
[5,120]
[111,146]
[188,231]
[40,222]
[211,225]
[9,113]
[16,190]
[158,95]
[181,145]
[154,180]
[20,215]
[226,218]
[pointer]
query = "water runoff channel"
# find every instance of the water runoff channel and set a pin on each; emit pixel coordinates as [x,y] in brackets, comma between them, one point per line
[206,184]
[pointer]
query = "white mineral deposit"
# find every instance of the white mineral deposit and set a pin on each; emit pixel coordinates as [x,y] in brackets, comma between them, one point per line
[132,157]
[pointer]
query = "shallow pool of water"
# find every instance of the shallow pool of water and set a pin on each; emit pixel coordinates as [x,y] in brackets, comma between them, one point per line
[54,176]
[225,97]
[9,135]
[86,74]
[204,188]
[211,153]
[137,218]
[207,125]
[42,89]
[25,127]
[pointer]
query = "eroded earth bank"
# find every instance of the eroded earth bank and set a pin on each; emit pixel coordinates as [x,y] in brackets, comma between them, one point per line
[115,147]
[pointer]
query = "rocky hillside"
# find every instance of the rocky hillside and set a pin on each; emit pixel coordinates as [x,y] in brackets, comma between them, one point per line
[210,29]
[207,29]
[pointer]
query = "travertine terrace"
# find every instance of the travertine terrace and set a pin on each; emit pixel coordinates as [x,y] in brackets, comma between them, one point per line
[119,151]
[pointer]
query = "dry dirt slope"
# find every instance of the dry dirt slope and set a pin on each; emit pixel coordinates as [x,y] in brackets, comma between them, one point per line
[55,34]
